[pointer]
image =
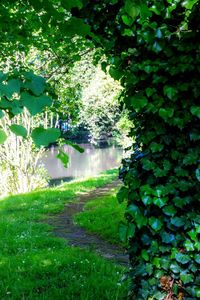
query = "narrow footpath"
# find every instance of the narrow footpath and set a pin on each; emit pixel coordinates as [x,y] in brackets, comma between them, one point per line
[76,236]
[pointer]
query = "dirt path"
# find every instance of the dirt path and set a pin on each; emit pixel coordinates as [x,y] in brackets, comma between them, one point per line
[76,236]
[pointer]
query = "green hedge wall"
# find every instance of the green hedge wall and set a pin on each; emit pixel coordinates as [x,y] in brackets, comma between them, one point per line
[153,48]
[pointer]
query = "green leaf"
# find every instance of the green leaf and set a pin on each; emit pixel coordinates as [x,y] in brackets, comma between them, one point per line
[122,194]
[189,3]
[197,173]
[1,114]
[130,230]
[167,238]
[156,224]
[127,20]
[166,113]
[156,262]
[182,258]
[150,91]
[138,102]
[123,232]
[160,202]
[175,268]
[18,130]
[178,222]
[126,231]
[3,136]
[10,87]
[170,92]
[187,278]
[131,9]
[69,4]
[114,73]
[145,255]
[43,137]
[169,210]
[63,157]
[137,215]
[197,258]
[189,246]
[75,146]
[36,84]
[195,110]
[146,199]
[155,147]
[34,104]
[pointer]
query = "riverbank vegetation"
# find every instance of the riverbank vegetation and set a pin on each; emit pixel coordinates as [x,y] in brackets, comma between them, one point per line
[34,264]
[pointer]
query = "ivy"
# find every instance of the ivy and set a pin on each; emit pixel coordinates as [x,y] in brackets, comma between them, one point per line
[154,52]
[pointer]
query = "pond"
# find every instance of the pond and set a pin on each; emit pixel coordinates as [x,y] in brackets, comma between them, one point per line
[90,163]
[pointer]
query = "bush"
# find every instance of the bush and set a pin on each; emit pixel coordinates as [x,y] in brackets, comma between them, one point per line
[153,47]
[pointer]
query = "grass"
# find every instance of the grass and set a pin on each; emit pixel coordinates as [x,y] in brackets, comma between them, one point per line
[35,265]
[102,216]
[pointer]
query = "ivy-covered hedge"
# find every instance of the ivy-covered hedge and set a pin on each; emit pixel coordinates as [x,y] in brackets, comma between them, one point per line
[153,47]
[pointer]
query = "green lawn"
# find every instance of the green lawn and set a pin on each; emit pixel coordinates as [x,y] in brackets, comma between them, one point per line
[35,265]
[102,216]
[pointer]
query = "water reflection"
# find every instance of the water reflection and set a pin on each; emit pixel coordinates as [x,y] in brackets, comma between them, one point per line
[89,163]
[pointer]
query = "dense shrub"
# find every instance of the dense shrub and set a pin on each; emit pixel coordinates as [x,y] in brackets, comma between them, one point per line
[153,48]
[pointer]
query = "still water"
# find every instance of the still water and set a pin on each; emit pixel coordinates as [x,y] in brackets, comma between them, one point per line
[89,163]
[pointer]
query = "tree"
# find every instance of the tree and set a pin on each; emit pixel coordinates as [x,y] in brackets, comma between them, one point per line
[153,49]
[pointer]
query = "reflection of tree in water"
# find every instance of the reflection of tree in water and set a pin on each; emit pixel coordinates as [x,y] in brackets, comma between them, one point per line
[91,162]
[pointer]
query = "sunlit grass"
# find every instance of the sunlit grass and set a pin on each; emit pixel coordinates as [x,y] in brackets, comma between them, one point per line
[35,265]
[102,216]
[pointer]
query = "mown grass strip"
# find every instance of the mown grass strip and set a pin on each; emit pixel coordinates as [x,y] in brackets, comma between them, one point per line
[35,265]
[102,216]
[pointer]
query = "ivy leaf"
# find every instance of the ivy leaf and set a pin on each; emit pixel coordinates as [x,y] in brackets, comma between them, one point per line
[138,102]
[130,230]
[195,110]
[43,137]
[18,130]
[175,268]
[123,232]
[169,210]
[127,20]
[155,223]
[137,215]
[182,258]
[170,92]
[189,3]
[189,246]
[114,73]
[160,202]
[166,113]
[187,278]
[35,104]
[178,222]
[197,173]
[131,9]
[3,136]
[197,258]
[146,199]
[63,157]
[167,237]
[155,147]
[145,255]
[122,194]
